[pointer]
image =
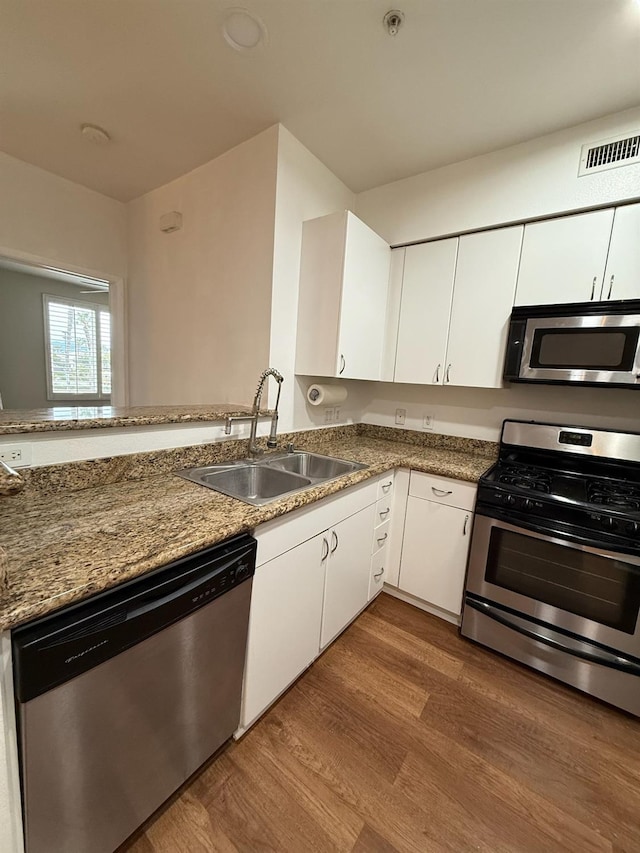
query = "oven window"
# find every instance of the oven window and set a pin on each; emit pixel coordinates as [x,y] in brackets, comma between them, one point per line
[596,588]
[585,349]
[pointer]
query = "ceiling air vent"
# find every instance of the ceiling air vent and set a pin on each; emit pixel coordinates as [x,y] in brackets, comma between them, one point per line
[609,154]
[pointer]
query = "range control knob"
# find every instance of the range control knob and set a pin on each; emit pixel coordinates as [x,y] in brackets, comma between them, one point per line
[632,528]
[527,503]
[608,522]
[510,500]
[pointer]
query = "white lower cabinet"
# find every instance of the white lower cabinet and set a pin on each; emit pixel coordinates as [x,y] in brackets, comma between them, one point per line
[312,578]
[436,541]
[348,568]
[284,629]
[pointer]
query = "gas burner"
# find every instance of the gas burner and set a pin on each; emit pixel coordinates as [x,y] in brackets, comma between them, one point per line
[614,493]
[525,477]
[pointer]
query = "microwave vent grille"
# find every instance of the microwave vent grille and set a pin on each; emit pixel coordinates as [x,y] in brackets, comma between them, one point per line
[609,154]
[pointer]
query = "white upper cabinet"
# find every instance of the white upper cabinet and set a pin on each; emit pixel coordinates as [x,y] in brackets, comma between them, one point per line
[563,260]
[456,301]
[423,328]
[622,276]
[344,280]
[483,294]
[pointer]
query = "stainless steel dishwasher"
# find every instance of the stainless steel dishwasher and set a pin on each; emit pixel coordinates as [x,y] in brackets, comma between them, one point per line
[121,697]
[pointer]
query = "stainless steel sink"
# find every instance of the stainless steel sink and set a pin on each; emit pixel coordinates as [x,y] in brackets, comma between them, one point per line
[313,465]
[267,479]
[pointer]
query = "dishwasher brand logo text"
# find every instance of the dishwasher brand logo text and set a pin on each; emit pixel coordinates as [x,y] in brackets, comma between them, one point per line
[85,652]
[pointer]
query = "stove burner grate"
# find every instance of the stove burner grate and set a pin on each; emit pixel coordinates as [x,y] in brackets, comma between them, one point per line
[614,493]
[525,477]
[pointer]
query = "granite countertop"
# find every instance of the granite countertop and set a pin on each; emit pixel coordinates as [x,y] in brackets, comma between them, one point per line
[60,547]
[100,417]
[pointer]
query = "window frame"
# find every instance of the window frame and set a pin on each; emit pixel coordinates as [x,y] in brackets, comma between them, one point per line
[96,307]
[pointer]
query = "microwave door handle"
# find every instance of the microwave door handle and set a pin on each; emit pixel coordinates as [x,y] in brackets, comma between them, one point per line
[557,641]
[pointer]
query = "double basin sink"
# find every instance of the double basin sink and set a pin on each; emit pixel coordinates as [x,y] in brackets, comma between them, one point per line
[259,481]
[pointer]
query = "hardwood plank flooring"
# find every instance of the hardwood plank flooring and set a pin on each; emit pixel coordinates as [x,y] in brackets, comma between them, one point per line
[405,738]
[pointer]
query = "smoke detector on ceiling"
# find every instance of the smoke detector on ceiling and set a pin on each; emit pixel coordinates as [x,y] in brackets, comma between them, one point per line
[392,21]
[95,134]
[242,30]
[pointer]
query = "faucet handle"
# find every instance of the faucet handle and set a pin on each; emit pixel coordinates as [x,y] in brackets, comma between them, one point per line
[290,447]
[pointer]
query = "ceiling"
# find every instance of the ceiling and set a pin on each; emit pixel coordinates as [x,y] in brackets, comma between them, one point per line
[461,78]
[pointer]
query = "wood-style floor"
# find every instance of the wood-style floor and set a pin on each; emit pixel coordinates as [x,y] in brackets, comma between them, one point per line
[404,737]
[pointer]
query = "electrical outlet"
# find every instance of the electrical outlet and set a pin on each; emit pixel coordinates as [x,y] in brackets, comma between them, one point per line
[427,422]
[329,415]
[16,455]
[401,416]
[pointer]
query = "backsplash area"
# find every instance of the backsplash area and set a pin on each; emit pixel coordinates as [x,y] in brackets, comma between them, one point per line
[478,412]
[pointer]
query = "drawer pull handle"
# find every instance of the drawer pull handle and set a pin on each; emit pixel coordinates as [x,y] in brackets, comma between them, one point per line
[437,380]
[446,376]
[593,286]
[343,364]
[334,539]
[378,575]
[384,512]
[464,529]
[382,539]
[610,287]
[441,493]
[325,549]
[387,486]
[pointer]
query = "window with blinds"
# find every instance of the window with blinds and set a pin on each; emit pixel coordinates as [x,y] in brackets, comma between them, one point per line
[78,349]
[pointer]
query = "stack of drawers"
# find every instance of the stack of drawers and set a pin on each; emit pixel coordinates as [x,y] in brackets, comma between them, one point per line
[381,533]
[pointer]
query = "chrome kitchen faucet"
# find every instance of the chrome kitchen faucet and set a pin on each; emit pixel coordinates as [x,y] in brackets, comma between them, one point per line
[272,443]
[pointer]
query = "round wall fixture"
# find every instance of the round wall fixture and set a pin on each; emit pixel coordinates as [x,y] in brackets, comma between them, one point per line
[392,21]
[243,30]
[95,134]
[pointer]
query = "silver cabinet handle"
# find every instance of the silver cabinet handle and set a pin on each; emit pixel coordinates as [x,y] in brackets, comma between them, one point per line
[593,286]
[334,540]
[343,364]
[446,376]
[384,512]
[610,287]
[387,486]
[378,575]
[382,539]
[325,549]
[441,493]
[464,529]
[437,380]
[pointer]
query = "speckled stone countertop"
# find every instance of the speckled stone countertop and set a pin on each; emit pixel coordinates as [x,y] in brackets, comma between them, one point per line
[102,417]
[61,545]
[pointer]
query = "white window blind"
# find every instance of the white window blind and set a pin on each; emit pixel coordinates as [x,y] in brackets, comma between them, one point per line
[78,349]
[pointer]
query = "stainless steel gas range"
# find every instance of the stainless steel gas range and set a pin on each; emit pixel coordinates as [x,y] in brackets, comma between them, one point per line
[554,568]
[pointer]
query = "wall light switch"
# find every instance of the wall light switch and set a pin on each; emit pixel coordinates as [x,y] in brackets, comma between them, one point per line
[427,422]
[401,416]
[329,415]
[337,414]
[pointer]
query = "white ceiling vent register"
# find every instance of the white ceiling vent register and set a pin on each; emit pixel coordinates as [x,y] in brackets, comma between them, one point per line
[609,153]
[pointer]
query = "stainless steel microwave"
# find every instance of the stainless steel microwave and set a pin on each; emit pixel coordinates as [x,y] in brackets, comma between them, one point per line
[591,343]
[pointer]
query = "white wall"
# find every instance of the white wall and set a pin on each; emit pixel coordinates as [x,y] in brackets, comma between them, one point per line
[524,181]
[45,217]
[305,189]
[478,413]
[200,298]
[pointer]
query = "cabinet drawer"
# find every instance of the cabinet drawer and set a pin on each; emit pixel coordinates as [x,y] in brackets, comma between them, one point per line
[383,511]
[380,537]
[442,490]
[378,572]
[385,486]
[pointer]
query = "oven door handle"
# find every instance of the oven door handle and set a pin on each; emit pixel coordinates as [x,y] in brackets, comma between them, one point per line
[561,642]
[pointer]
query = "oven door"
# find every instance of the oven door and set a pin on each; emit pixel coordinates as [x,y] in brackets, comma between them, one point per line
[590,592]
[591,348]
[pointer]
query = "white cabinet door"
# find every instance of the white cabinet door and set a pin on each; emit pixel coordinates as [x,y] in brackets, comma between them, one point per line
[483,295]
[425,307]
[347,576]
[434,553]
[622,276]
[284,623]
[563,260]
[364,302]
[344,279]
